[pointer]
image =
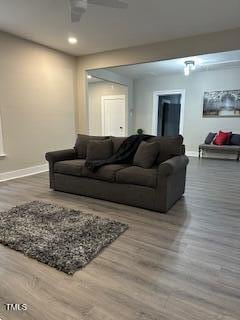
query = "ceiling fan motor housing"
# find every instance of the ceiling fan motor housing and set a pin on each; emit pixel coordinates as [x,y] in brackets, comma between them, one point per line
[79,7]
[79,4]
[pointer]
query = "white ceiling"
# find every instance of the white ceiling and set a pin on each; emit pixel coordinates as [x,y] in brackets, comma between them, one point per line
[94,80]
[204,62]
[145,21]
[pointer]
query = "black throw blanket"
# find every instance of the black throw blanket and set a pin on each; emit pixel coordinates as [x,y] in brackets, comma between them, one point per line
[124,154]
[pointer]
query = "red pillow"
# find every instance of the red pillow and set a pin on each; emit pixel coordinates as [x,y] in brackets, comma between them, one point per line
[222,138]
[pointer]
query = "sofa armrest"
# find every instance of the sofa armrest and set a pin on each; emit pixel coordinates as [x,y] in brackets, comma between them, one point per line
[55,156]
[171,181]
[173,165]
[61,155]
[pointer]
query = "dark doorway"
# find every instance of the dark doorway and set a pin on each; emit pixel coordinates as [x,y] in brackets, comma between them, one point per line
[169,110]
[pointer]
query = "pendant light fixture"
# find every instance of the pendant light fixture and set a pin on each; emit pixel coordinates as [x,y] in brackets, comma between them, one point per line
[189,66]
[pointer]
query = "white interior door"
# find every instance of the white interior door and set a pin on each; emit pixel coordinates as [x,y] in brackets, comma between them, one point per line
[114,116]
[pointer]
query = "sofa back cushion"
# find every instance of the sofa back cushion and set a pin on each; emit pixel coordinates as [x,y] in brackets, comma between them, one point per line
[117,141]
[82,142]
[235,139]
[146,155]
[210,137]
[99,149]
[168,147]
[222,138]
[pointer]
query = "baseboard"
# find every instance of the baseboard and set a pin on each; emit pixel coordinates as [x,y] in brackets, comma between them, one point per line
[192,153]
[23,172]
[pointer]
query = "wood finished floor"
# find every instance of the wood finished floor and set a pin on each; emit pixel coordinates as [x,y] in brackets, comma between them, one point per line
[180,266]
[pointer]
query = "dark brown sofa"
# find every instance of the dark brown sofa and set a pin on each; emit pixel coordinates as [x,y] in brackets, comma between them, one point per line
[156,188]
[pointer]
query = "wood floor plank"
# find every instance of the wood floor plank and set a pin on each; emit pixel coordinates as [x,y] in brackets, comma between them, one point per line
[181,266]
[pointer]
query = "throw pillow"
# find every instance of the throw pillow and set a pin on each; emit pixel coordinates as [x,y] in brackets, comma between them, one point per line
[168,147]
[210,137]
[82,142]
[146,154]
[222,138]
[99,150]
[235,139]
[117,141]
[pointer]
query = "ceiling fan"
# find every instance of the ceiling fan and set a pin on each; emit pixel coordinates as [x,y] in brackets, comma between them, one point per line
[79,7]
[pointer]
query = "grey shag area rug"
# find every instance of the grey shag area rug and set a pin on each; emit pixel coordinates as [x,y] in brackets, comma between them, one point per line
[62,238]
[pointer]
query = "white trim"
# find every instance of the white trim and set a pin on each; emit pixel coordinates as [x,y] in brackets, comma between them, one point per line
[114,97]
[23,172]
[156,95]
[192,153]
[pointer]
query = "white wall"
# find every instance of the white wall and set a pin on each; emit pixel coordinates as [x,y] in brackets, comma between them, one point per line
[195,126]
[95,92]
[116,78]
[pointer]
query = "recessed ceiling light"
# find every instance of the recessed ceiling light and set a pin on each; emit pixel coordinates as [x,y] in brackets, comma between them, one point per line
[89,76]
[72,40]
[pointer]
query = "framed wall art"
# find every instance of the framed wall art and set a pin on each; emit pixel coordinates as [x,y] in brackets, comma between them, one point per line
[224,103]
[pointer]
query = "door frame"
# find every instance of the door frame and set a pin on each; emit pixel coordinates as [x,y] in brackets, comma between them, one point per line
[114,97]
[156,95]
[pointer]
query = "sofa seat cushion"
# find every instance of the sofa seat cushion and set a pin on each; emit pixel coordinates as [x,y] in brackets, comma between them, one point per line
[223,148]
[71,167]
[77,168]
[105,173]
[138,176]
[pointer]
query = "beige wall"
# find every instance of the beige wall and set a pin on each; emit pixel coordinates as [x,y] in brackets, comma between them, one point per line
[109,75]
[202,44]
[38,87]
[38,95]
[195,127]
[95,93]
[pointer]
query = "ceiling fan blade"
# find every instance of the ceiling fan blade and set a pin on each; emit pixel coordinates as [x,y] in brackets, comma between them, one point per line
[77,9]
[121,4]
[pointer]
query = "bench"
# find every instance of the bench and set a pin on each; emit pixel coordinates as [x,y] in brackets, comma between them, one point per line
[230,149]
